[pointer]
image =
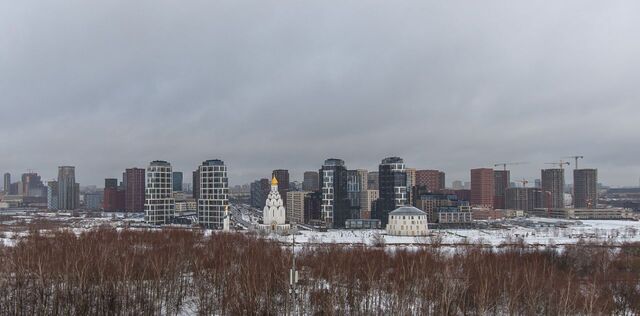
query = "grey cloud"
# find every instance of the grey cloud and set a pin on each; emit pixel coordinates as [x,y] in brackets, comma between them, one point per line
[272,84]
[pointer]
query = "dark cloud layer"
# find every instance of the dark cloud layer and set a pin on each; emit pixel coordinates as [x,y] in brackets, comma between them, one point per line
[285,84]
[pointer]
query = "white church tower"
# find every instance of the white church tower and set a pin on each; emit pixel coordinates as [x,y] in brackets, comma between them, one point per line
[274,214]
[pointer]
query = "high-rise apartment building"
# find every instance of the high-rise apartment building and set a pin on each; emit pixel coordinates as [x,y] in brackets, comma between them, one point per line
[482,187]
[113,196]
[367,198]
[553,182]
[283,183]
[195,183]
[68,193]
[372,183]
[585,188]
[177,181]
[110,183]
[356,183]
[335,200]
[7,182]
[411,182]
[134,196]
[52,195]
[501,181]
[295,206]
[311,181]
[433,203]
[93,201]
[214,193]
[159,207]
[537,183]
[113,199]
[432,179]
[392,188]
[525,199]
[259,191]
[313,207]
[32,185]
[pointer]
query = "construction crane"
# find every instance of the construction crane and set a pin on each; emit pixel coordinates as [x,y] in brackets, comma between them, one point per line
[576,159]
[505,164]
[524,182]
[560,164]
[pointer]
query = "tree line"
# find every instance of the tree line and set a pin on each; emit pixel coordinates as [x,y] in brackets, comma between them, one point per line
[137,272]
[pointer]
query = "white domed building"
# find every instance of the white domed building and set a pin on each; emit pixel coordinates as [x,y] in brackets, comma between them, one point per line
[274,215]
[407,221]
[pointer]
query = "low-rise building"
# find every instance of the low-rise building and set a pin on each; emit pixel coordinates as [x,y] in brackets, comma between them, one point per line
[362,224]
[591,213]
[407,221]
[459,215]
[480,214]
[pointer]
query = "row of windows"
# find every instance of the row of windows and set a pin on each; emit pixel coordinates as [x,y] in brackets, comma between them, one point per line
[159,169]
[407,216]
[213,168]
[159,201]
[213,202]
[410,227]
[158,196]
[165,207]
[205,213]
[220,186]
[206,178]
[152,190]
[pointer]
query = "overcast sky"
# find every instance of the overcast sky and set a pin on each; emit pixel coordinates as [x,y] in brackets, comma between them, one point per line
[450,85]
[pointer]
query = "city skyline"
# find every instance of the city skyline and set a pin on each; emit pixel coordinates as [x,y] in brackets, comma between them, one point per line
[467,85]
[298,175]
[262,157]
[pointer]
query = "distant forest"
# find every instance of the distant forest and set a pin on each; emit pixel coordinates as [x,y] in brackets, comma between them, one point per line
[109,272]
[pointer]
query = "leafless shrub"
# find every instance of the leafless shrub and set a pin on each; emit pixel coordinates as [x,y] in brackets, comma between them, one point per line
[377,240]
[174,271]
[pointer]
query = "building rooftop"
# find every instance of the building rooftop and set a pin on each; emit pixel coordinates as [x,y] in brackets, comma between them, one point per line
[407,210]
[213,162]
[334,162]
[160,163]
[389,160]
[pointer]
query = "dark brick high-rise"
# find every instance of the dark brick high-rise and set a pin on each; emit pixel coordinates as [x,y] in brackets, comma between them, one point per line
[433,180]
[553,182]
[195,183]
[501,180]
[482,187]
[585,188]
[259,192]
[311,181]
[134,191]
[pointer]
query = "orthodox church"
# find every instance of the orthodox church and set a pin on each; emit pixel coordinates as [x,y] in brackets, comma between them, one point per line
[274,216]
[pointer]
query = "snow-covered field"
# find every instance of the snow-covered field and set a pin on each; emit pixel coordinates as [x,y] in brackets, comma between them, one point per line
[538,231]
[533,231]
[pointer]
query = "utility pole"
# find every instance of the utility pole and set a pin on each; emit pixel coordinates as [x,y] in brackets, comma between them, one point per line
[293,273]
